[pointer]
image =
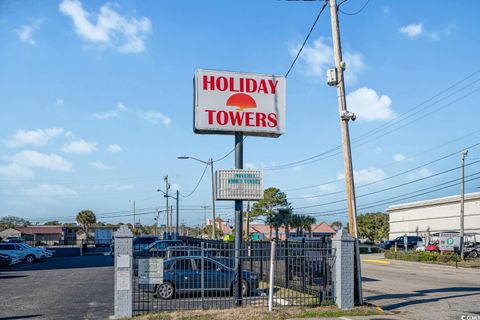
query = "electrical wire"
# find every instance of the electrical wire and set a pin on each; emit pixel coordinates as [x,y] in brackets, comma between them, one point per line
[306,39]
[397,198]
[229,153]
[401,173]
[337,149]
[198,183]
[352,13]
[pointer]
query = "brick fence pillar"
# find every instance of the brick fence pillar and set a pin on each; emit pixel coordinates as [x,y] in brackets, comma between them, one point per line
[343,270]
[123,272]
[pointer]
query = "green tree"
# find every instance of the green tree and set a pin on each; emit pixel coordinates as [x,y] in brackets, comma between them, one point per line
[52,223]
[302,222]
[272,198]
[336,225]
[12,222]
[86,218]
[274,220]
[373,226]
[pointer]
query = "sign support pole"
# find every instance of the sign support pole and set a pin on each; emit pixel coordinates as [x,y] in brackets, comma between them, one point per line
[238,223]
[345,117]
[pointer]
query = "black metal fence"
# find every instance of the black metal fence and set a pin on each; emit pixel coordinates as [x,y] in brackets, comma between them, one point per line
[199,274]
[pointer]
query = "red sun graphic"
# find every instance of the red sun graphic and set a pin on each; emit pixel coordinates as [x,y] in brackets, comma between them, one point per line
[241,101]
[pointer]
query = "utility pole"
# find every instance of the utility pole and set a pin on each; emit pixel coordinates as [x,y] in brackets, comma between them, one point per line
[462,203]
[346,116]
[156,228]
[167,186]
[171,219]
[247,232]
[213,197]
[177,197]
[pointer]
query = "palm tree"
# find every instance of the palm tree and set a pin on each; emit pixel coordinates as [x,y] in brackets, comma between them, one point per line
[86,218]
[308,221]
[275,222]
[297,223]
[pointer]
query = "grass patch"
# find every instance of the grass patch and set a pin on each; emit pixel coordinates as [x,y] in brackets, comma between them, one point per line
[261,313]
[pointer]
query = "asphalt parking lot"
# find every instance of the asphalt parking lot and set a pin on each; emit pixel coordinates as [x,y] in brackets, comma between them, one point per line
[58,288]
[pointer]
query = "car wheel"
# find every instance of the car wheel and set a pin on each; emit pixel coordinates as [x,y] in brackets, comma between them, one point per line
[165,290]
[473,254]
[30,258]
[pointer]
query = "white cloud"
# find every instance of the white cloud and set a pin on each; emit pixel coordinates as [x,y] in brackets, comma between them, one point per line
[329,187]
[50,190]
[80,147]
[35,159]
[99,165]
[105,115]
[14,171]
[365,175]
[59,102]
[420,173]
[122,107]
[114,148]
[318,58]
[117,187]
[412,30]
[38,138]
[399,157]
[156,117]
[126,34]
[26,31]
[368,105]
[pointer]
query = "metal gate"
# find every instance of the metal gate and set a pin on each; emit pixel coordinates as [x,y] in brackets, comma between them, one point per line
[199,274]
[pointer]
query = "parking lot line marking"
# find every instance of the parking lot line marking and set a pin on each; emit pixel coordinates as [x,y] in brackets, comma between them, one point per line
[377,261]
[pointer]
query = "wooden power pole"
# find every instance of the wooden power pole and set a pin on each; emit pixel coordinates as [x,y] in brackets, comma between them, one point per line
[345,117]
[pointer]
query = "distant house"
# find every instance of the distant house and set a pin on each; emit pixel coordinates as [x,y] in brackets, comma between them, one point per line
[263,232]
[35,234]
[220,225]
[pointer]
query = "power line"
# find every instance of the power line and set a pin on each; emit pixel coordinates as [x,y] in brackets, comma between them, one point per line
[397,198]
[306,38]
[229,153]
[395,175]
[337,150]
[352,13]
[198,183]
[392,187]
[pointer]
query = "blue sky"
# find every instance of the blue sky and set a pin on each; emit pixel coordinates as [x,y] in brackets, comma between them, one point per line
[96,101]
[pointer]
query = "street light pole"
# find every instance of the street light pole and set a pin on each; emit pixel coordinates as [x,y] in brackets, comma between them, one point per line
[176,198]
[462,202]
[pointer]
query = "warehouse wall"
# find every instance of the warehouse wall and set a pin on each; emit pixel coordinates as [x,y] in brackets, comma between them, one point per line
[422,218]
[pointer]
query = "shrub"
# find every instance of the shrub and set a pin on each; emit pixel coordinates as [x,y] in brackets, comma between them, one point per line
[420,256]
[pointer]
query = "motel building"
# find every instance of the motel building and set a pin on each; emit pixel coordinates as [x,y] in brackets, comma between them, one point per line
[424,218]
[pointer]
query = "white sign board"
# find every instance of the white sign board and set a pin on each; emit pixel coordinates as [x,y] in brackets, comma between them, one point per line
[123,280]
[229,102]
[448,241]
[150,271]
[239,184]
[123,261]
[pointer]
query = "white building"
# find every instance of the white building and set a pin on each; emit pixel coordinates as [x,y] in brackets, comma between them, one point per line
[426,217]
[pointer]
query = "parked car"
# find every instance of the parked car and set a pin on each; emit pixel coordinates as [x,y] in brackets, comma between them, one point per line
[158,247]
[183,275]
[141,243]
[44,252]
[5,260]
[13,239]
[27,254]
[412,243]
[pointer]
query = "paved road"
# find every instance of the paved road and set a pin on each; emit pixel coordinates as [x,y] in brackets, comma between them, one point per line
[421,291]
[58,288]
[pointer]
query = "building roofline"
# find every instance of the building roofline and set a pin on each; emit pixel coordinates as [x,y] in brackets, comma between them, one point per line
[433,202]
